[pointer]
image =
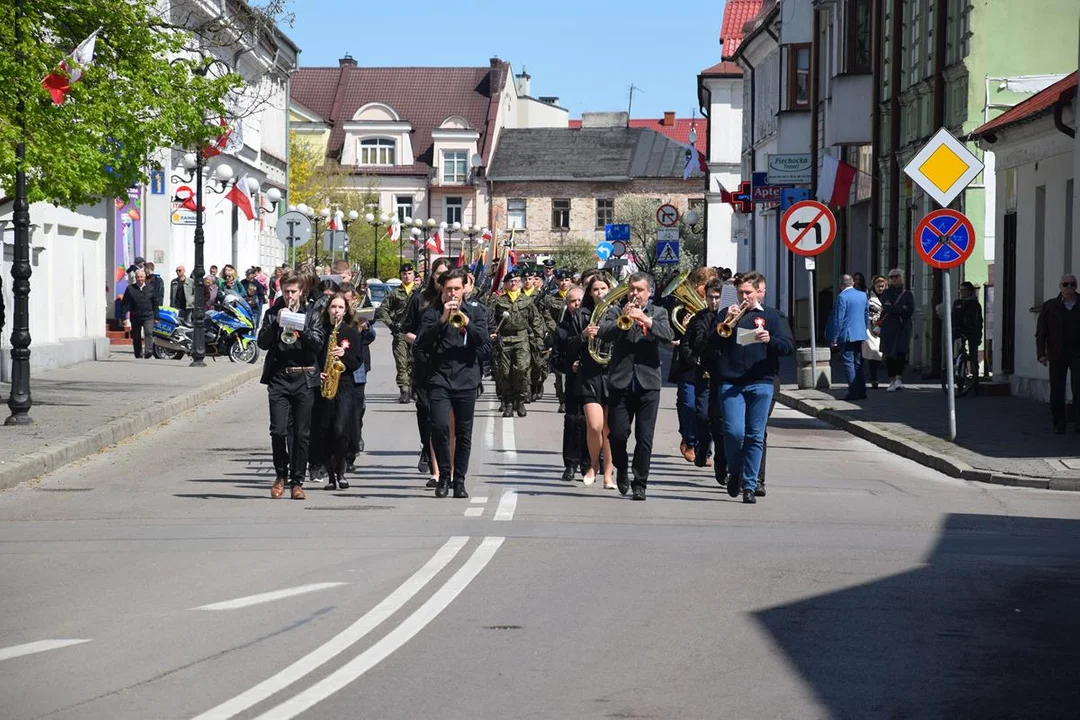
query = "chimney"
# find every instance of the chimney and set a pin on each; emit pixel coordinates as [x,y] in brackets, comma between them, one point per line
[496,62]
[605,119]
[521,82]
[347,60]
[669,119]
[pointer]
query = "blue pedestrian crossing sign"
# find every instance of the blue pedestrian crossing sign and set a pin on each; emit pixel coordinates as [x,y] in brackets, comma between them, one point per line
[667,252]
[944,239]
[616,231]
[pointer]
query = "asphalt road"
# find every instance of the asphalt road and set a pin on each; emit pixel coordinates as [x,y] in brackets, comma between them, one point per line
[159,580]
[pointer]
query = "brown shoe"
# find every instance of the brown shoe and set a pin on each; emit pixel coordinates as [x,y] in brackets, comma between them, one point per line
[687,452]
[278,489]
[298,493]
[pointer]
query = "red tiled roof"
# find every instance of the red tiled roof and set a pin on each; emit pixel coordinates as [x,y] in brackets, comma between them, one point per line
[737,13]
[679,132]
[1030,108]
[422,96]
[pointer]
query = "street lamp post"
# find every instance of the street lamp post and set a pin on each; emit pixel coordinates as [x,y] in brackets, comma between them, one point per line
[348,219]
[472,231]
[401,241]
[375,221]
[415,235]
[426,229]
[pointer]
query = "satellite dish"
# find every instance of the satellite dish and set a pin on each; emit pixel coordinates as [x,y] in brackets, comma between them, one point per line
[476,160]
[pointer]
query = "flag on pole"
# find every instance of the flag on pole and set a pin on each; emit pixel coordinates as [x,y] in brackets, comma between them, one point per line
[694,161]
[725,194]
[334,224]
[241,197]
[834,182]
[60,80]
[394,231]
[434,243]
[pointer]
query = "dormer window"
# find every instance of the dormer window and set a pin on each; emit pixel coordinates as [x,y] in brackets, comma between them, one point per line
[455,167]
[377,151]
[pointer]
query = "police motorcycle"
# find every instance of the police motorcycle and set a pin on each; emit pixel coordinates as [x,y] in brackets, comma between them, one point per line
[229,332]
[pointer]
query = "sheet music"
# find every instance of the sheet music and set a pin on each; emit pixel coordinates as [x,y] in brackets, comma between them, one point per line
[746,336]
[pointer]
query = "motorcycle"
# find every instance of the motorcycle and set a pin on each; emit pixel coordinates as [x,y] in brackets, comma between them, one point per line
[229,331]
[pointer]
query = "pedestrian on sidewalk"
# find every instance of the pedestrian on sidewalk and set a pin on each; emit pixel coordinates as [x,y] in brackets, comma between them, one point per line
[846,331]
[182,293]
[156,284]
[967,318]
[897,308]
[871,346]
[1057,342]
[141,304]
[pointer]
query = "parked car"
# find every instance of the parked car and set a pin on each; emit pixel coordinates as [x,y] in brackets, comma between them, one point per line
[377,292]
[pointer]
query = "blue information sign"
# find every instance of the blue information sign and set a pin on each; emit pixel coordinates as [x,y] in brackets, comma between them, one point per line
[157,182]
[614,232]
[604,249]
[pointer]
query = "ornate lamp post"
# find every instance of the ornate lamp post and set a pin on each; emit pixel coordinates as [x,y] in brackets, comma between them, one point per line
[472,231]
[405,224]
[415,235]
[376,221]
[426,228]
[19,401]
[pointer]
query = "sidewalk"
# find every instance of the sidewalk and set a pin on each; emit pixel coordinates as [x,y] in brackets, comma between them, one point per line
[1003,440]
[80,410]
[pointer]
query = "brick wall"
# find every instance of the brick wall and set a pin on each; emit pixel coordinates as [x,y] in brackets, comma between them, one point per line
[538,233]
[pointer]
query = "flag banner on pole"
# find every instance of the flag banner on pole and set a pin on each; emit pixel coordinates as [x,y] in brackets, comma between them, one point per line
[241,197]
[834,182]
[60,80]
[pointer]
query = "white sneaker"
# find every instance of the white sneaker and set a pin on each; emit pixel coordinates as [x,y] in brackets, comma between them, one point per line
[899,384]
[893,386]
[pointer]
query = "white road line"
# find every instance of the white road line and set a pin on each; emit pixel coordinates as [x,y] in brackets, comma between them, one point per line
[36,647]
[507,505]
[343,640]
[508,447]
[478,500]
[269,596]
[474,512]
[397,637]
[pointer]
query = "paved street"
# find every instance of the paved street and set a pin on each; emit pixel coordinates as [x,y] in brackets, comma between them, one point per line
[159,580]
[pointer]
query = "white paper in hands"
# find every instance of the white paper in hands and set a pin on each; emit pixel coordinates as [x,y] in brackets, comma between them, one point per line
[746,336]
[291,320]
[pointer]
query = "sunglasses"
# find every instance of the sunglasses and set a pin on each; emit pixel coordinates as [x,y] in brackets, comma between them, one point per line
[1068,284]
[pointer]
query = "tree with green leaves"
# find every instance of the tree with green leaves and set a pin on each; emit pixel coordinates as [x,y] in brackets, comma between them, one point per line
[639,212]
[575,253]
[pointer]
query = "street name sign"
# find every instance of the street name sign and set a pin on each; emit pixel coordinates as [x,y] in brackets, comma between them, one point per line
[808,228]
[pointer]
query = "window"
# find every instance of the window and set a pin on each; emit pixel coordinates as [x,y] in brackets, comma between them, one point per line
[560,214]
[857,50]
[1039,281]
[928,42]
[377,151]
[515,213]
[404,206]
[798,77]
[453,210]
[914,44]
[605,212]
[454,167]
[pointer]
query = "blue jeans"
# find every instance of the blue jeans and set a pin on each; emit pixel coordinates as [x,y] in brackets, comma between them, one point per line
[685,406]
[851,352]
[746,413]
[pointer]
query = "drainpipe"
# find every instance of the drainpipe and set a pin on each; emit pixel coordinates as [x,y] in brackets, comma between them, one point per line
[875,142]
[753,162]
[895,75]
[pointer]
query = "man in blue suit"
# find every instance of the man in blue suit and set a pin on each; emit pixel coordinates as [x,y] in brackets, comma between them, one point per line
[847,330]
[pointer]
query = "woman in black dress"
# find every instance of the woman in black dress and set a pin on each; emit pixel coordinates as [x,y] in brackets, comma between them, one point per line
[592,387]
[334,425]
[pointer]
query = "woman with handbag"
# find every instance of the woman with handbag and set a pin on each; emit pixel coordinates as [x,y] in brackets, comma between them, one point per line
[871,347]
[897,308]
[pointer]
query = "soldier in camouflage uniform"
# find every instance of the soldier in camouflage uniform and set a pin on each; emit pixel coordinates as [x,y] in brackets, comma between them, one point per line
[392,312]
[551,307]
[537,353]
[513,343]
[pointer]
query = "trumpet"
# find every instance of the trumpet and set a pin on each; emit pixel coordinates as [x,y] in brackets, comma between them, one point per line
[290,335]
[456,319]
[727,325]
[624,322]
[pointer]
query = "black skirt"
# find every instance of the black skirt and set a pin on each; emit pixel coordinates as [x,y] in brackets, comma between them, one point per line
[334,426]
[592,388]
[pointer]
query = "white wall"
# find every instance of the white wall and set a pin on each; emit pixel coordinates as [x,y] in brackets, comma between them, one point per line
[724,164]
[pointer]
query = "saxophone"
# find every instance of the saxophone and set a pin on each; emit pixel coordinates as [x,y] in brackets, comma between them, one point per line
[333,367]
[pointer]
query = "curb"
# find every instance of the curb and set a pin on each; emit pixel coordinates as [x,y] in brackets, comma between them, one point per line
[914,451]
[51,459]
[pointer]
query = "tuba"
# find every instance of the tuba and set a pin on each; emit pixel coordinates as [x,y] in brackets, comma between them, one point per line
[333,367]
[601,352]
[690,303]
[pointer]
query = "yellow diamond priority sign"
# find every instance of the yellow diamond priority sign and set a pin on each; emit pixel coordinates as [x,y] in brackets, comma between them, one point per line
[943,168]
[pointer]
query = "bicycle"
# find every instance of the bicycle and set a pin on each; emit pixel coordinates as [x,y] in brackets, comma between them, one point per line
[965,369]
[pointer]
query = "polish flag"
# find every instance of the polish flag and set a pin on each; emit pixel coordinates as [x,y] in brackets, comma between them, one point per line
[394,233]
[486,237]
[694,161]
[434,243]
[335,222]
[221,144]
[725,195]
[59,81]
[834,182]
[241,197]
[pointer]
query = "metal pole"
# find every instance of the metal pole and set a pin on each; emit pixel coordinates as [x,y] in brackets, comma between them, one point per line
[375,264]
[813,333]
[950,381]
[198,313]
[19,401]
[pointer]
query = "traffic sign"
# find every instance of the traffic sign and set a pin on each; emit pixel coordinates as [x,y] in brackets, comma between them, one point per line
[790,196]
[667,215]
[618,248]
[294,229]
[944,239]
[614,232]
[667,253]
[808,228]
[944,167]
[604,250]
[335,240]
[667,234]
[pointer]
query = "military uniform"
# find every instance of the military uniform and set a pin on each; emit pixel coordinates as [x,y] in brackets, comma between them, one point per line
[392,312]
[552,307]
[512,354]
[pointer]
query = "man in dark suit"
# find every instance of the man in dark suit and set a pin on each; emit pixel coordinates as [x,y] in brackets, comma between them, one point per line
[634,380]
[141,304]
[454,351]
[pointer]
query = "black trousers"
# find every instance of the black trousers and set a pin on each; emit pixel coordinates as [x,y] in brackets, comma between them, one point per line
[710,427]
[463,402]
[894,364]
[359,392]
[638,407]
[142,331]
[1059,369]
[291,401]
[423,415]
[560,387]
[575,451]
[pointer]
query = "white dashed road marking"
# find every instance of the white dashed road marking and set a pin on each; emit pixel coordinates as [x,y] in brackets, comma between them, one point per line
[36,647]
[269,596]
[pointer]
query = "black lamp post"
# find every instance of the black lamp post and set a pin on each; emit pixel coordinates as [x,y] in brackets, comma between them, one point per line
[19,401]
[347,218]
[406,226]
[472,231]
[425,229]
[375,221]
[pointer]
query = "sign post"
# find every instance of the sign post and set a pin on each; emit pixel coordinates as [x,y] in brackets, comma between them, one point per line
[808,228]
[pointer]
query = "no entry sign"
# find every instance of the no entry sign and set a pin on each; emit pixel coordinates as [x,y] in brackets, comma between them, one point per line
[808,228]
[944,239]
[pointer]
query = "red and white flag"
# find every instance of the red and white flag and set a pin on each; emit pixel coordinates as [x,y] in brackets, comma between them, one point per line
[394,231]
[694,161]
[725,195]
[241,197]
[222,143]
[59,81]
[335,223]
[834,182]
[434,243]
[486,237]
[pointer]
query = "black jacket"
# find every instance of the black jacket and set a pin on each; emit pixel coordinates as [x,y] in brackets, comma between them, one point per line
[303,354]
[453,355]
[756,362]
[635,352]
[158,286]
[568,346]
[697,341]
[142,302]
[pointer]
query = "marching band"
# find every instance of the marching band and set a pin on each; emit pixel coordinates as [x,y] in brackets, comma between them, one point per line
[602,339]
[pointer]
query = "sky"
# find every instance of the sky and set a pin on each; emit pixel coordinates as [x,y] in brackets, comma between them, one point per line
[587,53]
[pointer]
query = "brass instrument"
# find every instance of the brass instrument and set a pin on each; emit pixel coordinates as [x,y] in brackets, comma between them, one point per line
[624,322]
[690,303]
[289,335]
[727,325]
[600,352]
[456,319]
[333,367]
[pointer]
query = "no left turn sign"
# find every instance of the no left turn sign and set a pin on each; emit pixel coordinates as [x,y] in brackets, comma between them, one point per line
[808,228]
